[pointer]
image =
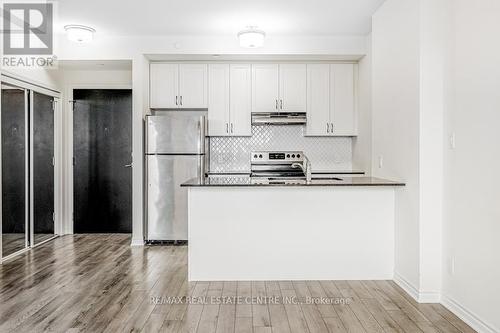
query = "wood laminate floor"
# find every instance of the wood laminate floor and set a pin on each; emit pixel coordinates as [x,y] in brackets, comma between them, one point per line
[98,283]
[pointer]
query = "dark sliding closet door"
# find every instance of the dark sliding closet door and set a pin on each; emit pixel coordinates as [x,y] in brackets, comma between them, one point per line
[42,166]
[14,172]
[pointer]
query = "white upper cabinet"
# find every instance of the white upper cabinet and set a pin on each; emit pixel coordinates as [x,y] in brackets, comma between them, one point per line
[193,85]
[343,105]
[231,92]
[229,100]
[174,86]
[331,100]
[278,88]
[164,86]
[318,99]
[265,88]
[241,100]
[292,87]
[218,99]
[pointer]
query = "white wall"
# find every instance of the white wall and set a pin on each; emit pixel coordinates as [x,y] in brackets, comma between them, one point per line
[472,186]
[396,108]
[74,79]
[127,47]
[408,106]
[362,144]
[39,76]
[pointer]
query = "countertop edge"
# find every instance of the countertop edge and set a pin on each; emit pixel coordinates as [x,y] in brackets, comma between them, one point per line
[373,182]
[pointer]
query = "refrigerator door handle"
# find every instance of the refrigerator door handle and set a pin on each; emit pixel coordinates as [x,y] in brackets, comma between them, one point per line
[201,167]
[202,126]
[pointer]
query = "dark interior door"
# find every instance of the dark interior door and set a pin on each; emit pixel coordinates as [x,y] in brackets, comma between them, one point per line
[43,167]
[102,148]
[14,178]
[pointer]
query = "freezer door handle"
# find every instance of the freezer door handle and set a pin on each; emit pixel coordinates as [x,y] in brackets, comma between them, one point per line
[202,128]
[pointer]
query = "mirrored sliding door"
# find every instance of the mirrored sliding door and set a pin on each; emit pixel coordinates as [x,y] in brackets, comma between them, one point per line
[42,167]
[14,138]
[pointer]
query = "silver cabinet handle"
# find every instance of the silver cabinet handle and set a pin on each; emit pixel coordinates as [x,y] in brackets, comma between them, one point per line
[276,104]
[281,104]
[327,128]
[181,100]
[331,128]
[176,98]
[227,128]
[232,128]
[128,165]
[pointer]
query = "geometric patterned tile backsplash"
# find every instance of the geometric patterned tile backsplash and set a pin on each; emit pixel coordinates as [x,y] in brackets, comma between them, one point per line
[232,154]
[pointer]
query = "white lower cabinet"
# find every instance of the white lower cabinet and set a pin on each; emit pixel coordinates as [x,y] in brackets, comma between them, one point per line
[331,106]
[229,100]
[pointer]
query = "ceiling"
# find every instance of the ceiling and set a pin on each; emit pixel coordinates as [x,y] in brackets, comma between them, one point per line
[220,17]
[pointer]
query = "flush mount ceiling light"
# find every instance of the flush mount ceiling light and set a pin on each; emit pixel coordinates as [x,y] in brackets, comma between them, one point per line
[79,33]
[251,37]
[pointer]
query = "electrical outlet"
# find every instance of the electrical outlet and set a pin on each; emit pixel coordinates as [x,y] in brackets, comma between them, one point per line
[452,141]
[380,162]
[452,266]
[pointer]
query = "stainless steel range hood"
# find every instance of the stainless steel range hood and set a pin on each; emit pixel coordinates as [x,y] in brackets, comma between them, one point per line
[279,118]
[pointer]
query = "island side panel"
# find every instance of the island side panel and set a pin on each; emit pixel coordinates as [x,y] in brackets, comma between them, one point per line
[291,233]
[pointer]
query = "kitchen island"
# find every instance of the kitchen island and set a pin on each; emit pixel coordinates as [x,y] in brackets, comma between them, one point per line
[329,229]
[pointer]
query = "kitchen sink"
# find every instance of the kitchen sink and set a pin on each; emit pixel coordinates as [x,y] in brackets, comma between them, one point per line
[326,178]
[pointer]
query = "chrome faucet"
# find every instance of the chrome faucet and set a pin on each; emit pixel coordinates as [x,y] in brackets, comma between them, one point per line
[306,168]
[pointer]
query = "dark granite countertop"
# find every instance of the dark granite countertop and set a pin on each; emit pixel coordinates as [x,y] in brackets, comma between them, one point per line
[318,180]
[322,172]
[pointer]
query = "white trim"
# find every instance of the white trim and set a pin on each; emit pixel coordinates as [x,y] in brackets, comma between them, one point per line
[67,227]
[58,166]
[417,295]
[30,80]
[14,255]
[31,170]
[45,241]
[27,84]
[467,316]
[137,242]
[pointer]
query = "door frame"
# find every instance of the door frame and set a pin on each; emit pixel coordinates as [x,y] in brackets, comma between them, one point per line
[69,222]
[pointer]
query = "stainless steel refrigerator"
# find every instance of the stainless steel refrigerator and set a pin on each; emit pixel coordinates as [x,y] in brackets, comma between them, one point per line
[175,152]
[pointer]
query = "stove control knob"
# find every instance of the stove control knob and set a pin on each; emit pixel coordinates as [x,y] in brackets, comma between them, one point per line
[260,156]
[255,156]
[298,155]
[293,155]
[288,155]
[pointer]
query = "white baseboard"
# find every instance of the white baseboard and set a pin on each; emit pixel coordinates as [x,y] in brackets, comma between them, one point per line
[137,242]
[419,296]
[461,312]
[467,316]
